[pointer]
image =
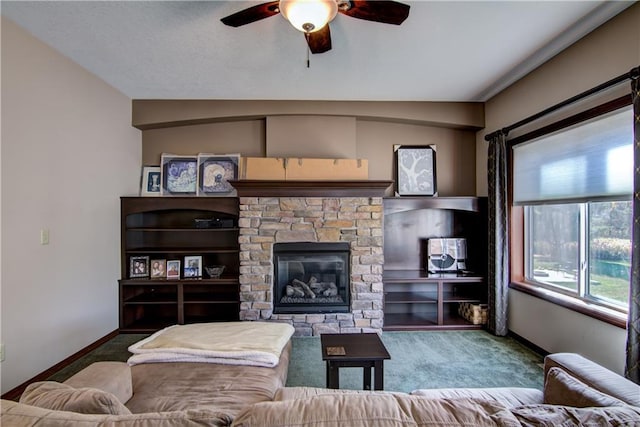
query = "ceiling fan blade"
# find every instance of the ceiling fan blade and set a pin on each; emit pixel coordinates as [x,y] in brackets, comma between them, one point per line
[385,11]
[252,14]
[319,41]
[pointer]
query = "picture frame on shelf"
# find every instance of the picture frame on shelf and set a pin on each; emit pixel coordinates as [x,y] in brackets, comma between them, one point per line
[215,172]
[179,175]
[173,269]
[159,269]
[192,266]
[139,266]
[415,170]
[151,181]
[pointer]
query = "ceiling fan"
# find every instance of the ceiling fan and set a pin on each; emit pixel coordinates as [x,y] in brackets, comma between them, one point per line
[312,17]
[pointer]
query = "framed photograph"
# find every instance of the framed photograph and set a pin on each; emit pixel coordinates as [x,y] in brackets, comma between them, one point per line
[215,172]
[173,269]
[415,170]
[138,266]
[179,175]
[192,266]
[159,269]
[151,181]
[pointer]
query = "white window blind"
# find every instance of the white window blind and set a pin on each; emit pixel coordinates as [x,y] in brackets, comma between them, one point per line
[589,161]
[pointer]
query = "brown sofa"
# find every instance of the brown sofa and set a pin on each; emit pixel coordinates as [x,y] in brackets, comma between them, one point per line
[150,394]
[576,392]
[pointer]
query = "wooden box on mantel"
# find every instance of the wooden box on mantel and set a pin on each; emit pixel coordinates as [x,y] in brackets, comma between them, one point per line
[263,168]
[302,169]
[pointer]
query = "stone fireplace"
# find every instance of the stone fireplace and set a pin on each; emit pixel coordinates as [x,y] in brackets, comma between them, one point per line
[276,213]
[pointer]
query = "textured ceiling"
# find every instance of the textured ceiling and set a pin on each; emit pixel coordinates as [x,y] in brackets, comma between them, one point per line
[444,51]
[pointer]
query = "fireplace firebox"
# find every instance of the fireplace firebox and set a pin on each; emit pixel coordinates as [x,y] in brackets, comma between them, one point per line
[311,277]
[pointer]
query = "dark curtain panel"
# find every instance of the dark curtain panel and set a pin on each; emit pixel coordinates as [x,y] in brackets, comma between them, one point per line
[498,273]
[632,370]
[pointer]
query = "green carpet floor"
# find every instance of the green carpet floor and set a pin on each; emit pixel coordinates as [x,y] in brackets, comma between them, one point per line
[418,360]
[430,360]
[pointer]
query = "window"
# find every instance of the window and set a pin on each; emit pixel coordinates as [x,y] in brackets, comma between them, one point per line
[581,249]
[575,186]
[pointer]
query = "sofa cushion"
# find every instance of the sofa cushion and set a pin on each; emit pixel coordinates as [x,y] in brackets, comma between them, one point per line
[508,396]
[554,415]
[63,397]
[302,392]
[595,376]
[114,377]
[19,414]
[375,409]
[561,388]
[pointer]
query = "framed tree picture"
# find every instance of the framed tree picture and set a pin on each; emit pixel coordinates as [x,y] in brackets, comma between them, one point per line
[415,170]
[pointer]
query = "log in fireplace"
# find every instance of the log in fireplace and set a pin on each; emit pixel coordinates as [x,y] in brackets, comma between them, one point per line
[311,277]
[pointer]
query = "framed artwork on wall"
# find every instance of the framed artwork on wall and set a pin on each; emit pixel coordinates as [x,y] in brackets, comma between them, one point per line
[179,175]
[151,181]
[415,170]
[215,172]
[138,266]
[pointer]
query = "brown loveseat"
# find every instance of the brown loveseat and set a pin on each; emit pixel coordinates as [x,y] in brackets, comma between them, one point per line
[576,392]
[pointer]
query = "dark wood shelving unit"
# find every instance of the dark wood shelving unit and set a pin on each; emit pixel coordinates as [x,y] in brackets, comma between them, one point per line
[414,298]
[165,228]
[149,250]
[407,321]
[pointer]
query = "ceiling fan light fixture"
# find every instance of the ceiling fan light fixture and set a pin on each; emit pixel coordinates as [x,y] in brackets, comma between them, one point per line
[308,16]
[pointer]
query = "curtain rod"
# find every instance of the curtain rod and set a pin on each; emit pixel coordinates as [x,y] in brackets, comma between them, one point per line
[633,74]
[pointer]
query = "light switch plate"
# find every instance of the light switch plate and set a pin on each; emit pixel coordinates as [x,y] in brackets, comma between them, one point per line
[44,236]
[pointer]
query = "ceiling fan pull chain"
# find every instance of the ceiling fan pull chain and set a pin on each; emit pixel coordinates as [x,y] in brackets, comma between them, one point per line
[306,35]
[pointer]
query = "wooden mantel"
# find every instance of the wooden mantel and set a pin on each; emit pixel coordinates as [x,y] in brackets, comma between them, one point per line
[264,188]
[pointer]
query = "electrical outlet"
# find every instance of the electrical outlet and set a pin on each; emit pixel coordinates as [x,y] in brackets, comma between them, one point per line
[2,352]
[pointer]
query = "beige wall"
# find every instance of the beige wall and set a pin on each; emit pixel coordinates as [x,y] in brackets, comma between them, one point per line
[311,137]
[366,130]
[609,51]
[68,153]
[455,160]
[556,329]
[244,136]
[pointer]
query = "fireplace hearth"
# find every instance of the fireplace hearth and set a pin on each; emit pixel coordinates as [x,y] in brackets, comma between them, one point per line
[311,277]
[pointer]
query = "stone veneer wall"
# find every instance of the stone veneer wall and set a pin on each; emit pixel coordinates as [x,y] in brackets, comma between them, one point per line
[357,220]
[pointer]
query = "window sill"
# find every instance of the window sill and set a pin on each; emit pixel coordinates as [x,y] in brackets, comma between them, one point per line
[603,314]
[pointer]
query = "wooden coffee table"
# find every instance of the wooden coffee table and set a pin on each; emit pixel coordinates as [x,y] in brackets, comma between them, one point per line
[354,351]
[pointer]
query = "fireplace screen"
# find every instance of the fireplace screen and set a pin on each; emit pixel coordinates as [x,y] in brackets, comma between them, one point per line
[311,277]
